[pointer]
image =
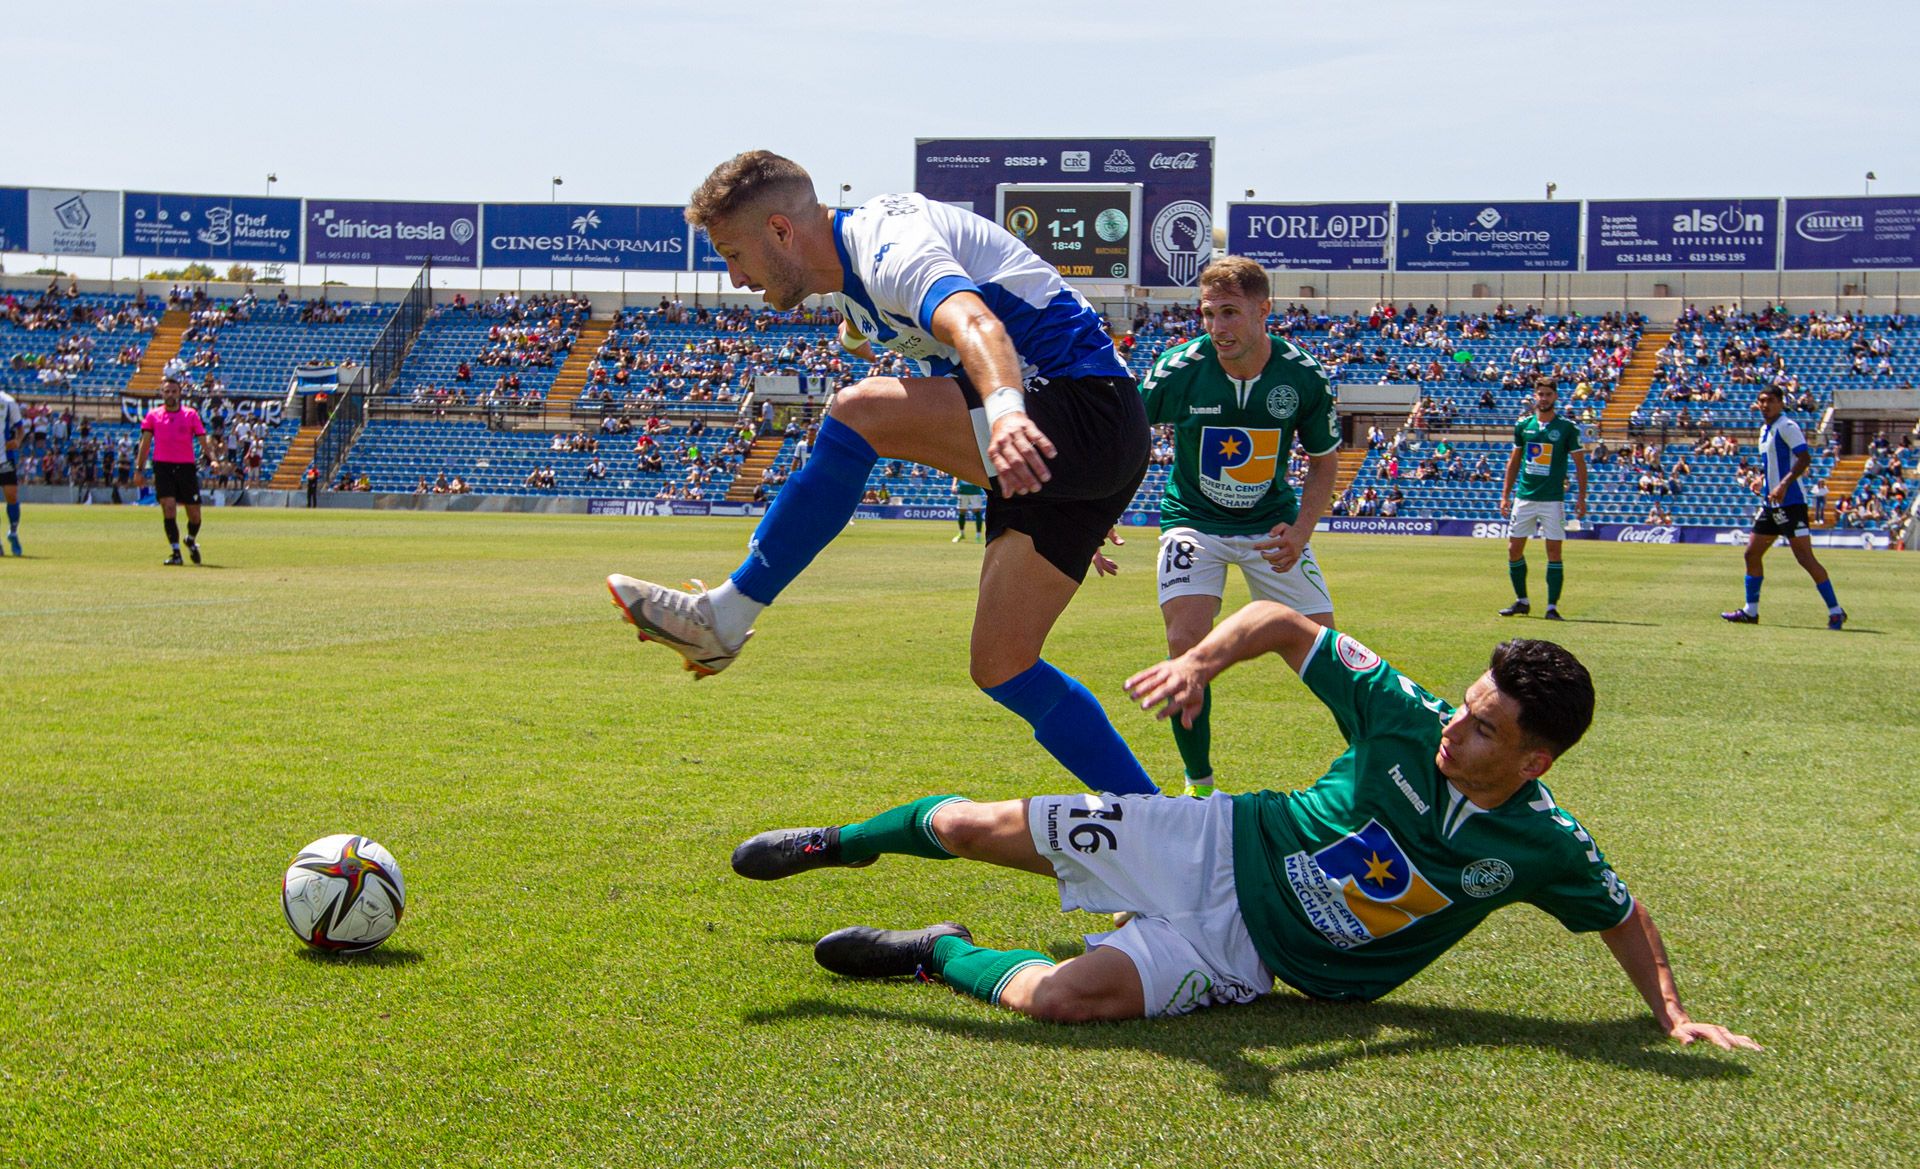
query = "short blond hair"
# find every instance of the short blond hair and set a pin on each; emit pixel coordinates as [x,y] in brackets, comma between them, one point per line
[756,178]
[1236,275]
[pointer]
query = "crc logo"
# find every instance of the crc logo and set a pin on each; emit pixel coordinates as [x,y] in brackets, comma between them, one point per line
[1076,161]
[1025,160]
[1824,227]
[1185,160]
[1118,163]
[1728,220]
[1488,219]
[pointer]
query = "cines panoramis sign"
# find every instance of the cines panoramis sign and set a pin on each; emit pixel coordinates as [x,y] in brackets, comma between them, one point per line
[617,237]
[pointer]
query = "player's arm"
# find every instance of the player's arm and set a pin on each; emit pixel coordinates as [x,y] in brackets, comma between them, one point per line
[1636,945]
[1017,451]
[1580,477]
[1802,459]
[1507,478]
[854,342]
[1260,628]
[1287,541]
[140,458]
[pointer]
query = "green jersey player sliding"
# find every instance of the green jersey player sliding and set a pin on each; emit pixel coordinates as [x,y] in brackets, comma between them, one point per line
[1236,398]
[1432,818]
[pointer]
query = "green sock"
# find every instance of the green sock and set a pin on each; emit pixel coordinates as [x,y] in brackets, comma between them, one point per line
[978,971]
[1555,573]
[906,829]
[1196,743]
[1517,570]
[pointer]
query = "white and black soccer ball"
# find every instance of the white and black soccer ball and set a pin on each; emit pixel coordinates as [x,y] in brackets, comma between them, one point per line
[343,894]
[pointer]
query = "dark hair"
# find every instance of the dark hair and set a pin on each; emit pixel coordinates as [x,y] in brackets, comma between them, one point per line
[1551,687]
[748,180]
[1778,394]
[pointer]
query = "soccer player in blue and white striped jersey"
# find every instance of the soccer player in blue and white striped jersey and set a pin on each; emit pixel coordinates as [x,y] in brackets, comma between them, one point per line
[1024,393]
[1784,457]
[13,433]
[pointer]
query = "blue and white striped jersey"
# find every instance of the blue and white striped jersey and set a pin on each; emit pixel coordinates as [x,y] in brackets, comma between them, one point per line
[1780,441]
[902,255]
[12,426]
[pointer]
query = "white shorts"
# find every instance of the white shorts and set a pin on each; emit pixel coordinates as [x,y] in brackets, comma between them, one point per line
[1546,518]
[1194,564]
[970,503]
[1169,859]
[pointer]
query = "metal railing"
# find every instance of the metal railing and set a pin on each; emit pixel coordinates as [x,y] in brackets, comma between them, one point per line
[384,359]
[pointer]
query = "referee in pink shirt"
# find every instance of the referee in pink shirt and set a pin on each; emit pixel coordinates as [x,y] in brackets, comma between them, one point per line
[167,432]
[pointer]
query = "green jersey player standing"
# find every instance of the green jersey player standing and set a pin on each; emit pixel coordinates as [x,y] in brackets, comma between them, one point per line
[1543,442]
[1237,398]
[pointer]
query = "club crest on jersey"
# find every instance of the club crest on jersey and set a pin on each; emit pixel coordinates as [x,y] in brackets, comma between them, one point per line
[1282,401]
[1238,464]
[1539,458]
[1361,888]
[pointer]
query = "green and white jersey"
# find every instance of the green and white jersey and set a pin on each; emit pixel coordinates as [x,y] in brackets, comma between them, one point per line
[1354,885]
[962,487]
[1544,448]
[1232,437]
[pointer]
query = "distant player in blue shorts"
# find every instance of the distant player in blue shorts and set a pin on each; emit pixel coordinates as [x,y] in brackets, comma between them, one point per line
[1785,458]
[1024,393]
[13,431]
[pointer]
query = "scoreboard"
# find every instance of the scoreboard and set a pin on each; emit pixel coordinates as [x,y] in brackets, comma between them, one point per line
[1088,231]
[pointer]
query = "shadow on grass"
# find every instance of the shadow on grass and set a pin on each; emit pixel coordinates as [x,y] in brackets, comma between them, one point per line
[1605,621]
[1330,1035]
[382,957]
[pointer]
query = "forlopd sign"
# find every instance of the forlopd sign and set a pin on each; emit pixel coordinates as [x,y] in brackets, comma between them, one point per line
[1339,237]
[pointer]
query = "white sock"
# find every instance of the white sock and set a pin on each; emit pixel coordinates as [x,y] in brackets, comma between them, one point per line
[1753,609]
[733,612]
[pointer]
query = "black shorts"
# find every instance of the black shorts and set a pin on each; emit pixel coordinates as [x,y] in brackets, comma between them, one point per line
[9,478]
[179,482]
[1098,426]
[1782,519]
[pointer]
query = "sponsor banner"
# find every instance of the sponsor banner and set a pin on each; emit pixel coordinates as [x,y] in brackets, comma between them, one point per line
[704,258]
[660,507]
[133,409]
[1337,237]
[1853,232]
[1175,174]
[1376,525]
[1697,234]
[370,232]
[1488,237]
[616,237]
[73,223]
[211,227]
[13,219]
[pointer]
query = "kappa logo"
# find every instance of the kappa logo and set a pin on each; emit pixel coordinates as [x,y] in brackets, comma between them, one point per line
[879,256]
[1238,464]
[1118,163]
[1362,888]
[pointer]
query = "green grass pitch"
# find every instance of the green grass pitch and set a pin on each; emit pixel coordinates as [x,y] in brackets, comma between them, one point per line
[580,979]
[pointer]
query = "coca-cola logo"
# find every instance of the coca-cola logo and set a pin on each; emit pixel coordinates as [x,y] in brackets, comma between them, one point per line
[1185,160]
[1654,535]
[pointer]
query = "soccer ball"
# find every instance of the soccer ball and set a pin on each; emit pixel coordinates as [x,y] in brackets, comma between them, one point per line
[343,894]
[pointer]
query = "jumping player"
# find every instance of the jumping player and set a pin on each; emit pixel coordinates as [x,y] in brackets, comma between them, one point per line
[12,434]
[1785,456]
[168,433]
[1543,442]
[1433,818]
[1237,396]
[1026,394]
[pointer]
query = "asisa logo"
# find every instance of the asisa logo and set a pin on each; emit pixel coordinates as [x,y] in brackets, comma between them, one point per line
[1361,888]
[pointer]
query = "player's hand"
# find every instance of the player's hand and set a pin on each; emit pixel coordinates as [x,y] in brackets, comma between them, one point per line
[1017,455]
[1580,507]
[1104,565]
[1777,494]
[1713,1033]
[1175,685]
[1506,506]
[1284,545]
[139,479]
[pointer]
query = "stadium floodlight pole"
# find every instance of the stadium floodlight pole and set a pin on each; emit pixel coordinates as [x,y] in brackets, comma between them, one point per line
[272,178]
[1868,187]
[553,196]
[1551,188]
[844,188]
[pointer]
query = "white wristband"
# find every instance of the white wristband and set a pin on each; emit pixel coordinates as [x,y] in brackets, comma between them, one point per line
[1004,401]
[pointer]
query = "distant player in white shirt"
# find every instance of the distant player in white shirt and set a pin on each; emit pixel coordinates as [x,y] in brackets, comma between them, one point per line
[1026,396]
[1785,458]
[13,431]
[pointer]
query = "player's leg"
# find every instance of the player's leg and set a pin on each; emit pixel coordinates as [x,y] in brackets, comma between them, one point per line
[1757,545]
[193,531]
[941,827]
[1022,594]
[1556,576]
[1517,562]
[11,490]
[923,419]
[1802,547]
[1192,580]
[169,524]
[960,514]
[980,522]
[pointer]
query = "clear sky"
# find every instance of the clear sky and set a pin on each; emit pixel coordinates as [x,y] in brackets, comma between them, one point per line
[635,101]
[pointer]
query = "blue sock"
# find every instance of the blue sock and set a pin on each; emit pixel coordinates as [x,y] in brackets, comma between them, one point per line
[13,516]
[1069,722]
[809,512]
[1753,593]
[1826,594]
